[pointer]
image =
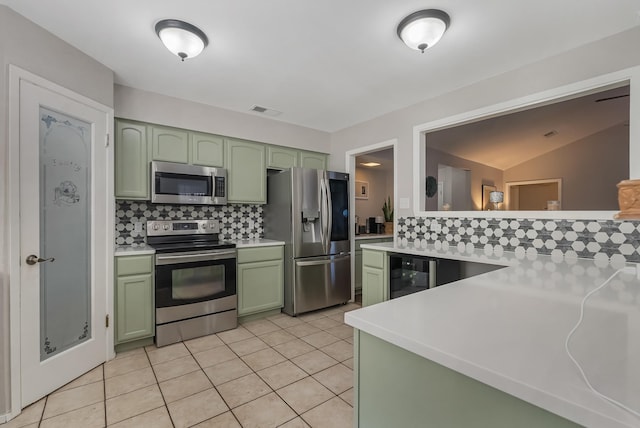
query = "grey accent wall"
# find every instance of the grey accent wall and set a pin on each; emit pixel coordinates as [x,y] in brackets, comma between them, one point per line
[147,106]
[32,48]
[590,168]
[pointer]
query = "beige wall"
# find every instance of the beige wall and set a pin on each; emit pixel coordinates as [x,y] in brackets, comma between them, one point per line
[590,169]
[146,106]
[608,55]
[380,187]
[30,47]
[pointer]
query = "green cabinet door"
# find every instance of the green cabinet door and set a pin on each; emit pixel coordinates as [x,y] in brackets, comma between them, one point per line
[247,172]
[131,161]
[313,160]
[134,297]
[260,286]
[281,157]
[206,149]
[358,258]
[134,315]
[374,277]
[260,279]
[169,144]
[373,284]
[358,275]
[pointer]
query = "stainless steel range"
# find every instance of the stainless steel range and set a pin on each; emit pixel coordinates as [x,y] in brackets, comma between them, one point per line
[195,279]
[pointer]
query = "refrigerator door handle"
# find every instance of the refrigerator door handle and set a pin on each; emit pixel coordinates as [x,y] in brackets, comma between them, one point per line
[329,211]
[324,214]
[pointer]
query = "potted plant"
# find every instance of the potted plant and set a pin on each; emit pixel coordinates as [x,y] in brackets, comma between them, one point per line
[387,210]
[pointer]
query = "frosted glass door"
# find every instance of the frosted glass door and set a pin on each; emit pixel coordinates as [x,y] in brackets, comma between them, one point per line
[65,232]
[65,192]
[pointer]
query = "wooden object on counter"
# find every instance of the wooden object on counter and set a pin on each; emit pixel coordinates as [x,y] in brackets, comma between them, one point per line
[388,227]
[629,199]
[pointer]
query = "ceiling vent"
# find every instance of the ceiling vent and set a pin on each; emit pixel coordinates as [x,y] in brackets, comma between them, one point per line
[264,110]
[550,134]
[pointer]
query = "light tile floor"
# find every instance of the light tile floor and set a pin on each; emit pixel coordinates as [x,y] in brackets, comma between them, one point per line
[279,371]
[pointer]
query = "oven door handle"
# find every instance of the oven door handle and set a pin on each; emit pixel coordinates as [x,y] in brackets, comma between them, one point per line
[163,259]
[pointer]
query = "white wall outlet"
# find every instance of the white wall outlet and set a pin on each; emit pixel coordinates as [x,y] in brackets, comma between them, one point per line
[137,227]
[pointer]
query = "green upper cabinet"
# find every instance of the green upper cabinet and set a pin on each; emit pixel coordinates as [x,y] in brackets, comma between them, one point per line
[281,157]
[246,172]
[206,149]
[312,160]
[137,144]
[131,161]
[169,144]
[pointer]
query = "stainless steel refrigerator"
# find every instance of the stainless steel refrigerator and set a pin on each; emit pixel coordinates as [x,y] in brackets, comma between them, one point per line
[308,209]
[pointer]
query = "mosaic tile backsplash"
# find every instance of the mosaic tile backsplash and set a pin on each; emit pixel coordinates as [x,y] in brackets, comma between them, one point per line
[594,239]
[236,221]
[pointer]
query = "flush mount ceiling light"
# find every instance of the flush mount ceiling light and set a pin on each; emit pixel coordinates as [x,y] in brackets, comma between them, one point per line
[181,38]
[370,164]
[423,29]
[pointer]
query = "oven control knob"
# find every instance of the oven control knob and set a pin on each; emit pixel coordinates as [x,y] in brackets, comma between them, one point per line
[204,226]
[156,227]
[165,227]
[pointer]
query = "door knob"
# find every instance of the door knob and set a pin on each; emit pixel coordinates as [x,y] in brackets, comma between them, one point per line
[33,259]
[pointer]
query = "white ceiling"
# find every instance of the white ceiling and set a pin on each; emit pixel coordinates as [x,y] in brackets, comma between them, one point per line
[325,64]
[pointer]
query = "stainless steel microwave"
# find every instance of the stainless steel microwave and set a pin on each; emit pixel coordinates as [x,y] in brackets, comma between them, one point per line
[176,183]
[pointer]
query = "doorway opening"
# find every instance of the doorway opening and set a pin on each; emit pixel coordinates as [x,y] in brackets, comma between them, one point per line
[534,195]
[373,172]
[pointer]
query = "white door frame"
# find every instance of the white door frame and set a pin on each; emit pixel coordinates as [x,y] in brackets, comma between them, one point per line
[350,166]
[17,74]
[509,184]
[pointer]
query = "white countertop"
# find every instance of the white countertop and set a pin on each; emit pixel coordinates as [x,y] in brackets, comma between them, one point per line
[134,250]
[248,243]
[507,329]
[142,249]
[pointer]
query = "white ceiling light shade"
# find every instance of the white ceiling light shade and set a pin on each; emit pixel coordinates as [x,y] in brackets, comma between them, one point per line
[181,38]
[423,29]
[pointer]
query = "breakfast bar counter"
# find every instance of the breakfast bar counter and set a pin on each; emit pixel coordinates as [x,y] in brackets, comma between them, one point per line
[490,350]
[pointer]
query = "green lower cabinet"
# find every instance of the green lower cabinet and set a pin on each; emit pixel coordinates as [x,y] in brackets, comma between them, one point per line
[375,280]
[373,286]
[260,280]
[397,388]
[358,271]
[134,296]
[358,258]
